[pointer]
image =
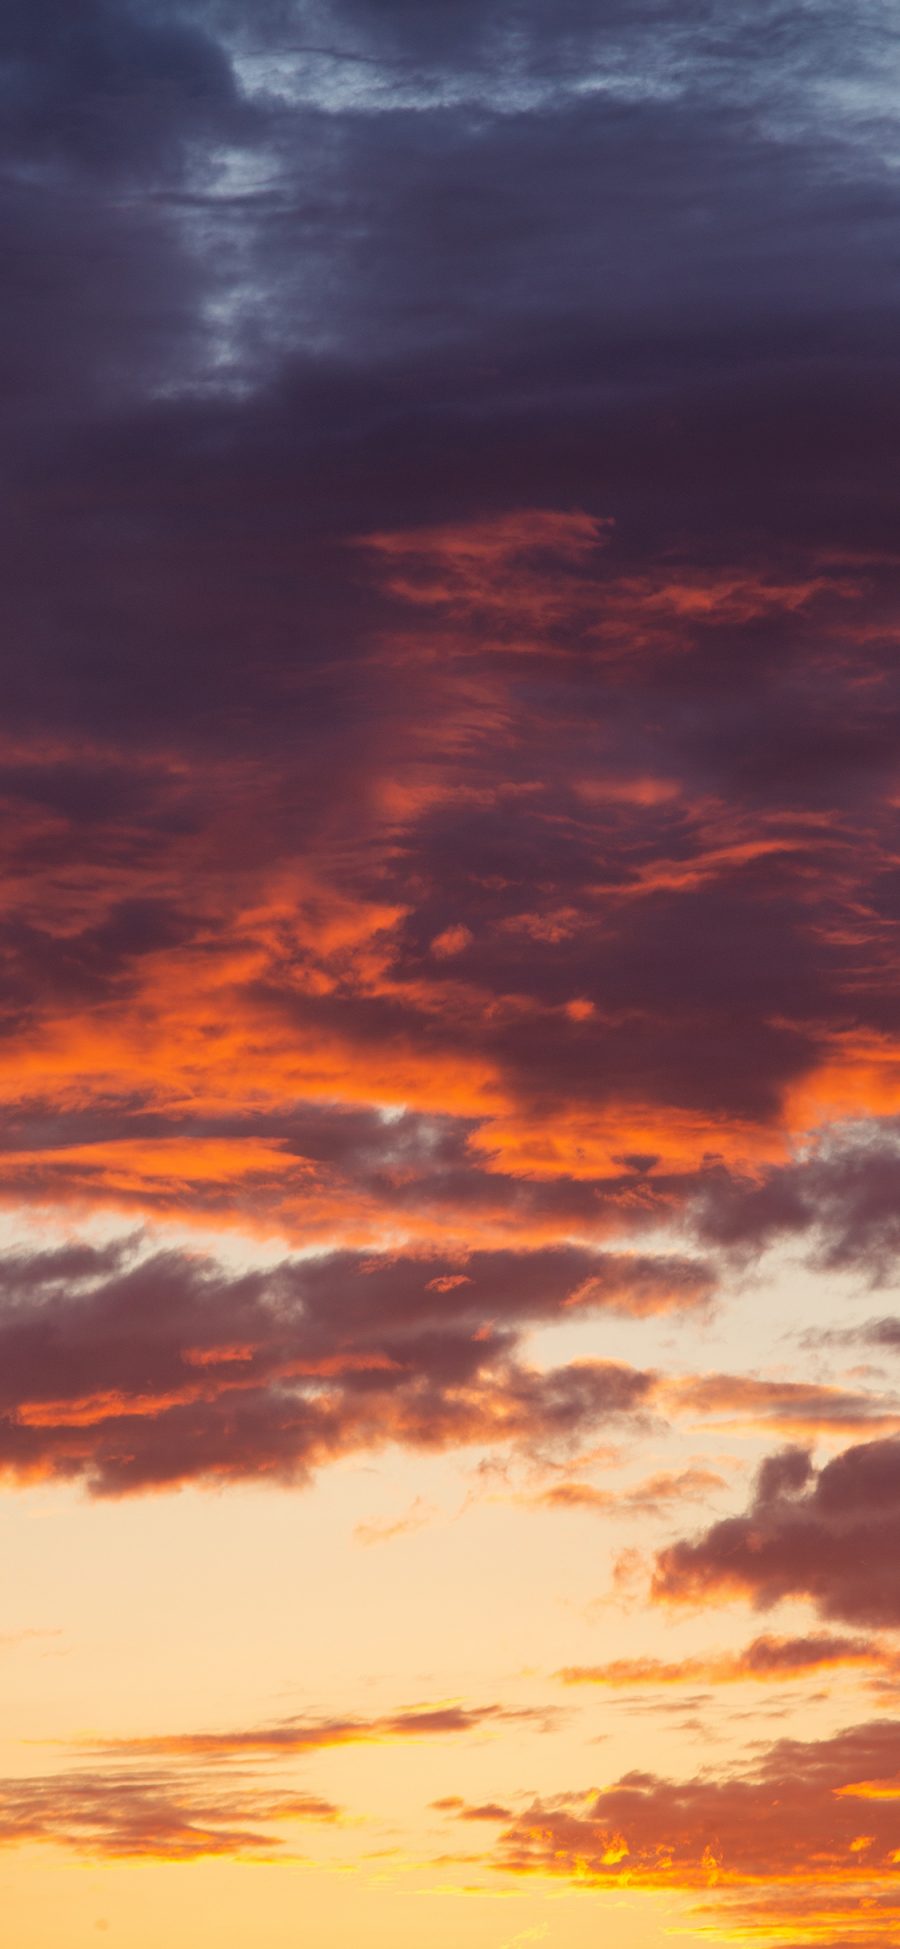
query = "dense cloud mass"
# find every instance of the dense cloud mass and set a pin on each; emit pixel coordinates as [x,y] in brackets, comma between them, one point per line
[449,595]
[844,1193]
[133,1371]
[831,1535]
[138,1374]
[803,1839]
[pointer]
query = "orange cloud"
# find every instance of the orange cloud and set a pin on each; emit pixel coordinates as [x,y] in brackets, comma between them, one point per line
[135,1371]
[656,1493]
[302,1736]
[765,1661]
[187,975]
[798,1407]
[829,1535]
[776,1839]
[117,1814]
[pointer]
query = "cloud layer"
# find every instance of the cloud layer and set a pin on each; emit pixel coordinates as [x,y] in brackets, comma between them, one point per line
[150,1372]
[449,596]
[540,797]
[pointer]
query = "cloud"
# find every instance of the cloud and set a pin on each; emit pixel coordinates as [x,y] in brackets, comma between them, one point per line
[804,1408]
[133,1371]
[460,873]
[656,1493]
[291,1736]
[312,1735]
[187,1796]
[881,1333]
[488,1810]
[766,1660]
[830,1535]
[842,1197]
[162,1815]
[417,1516]
[136,1373]
[10,1640]
[528,1081]
[788,1837]
[584,857]
[112,88]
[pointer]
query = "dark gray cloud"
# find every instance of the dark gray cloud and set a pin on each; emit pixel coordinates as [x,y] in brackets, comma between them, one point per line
[110,87]
[150,1373]
[831,1536]
[842,1200]
[279,288]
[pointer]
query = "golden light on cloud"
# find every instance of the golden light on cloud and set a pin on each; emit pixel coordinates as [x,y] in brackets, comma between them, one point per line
[449,1028]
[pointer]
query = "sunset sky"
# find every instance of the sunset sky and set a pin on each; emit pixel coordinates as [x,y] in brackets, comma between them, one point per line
[450,1060]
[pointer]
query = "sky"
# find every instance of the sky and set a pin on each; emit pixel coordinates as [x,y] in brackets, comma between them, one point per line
[449,1015]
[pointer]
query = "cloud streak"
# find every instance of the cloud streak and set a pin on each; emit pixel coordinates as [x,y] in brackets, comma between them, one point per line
[183,1797]
[765,1661]
[115,1814]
